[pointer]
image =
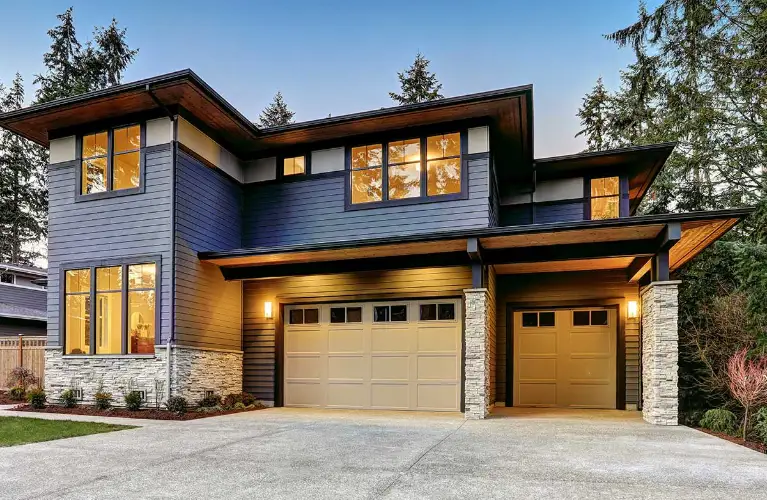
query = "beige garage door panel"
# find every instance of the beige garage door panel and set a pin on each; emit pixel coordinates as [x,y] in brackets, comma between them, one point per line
[403,365]
[559,362]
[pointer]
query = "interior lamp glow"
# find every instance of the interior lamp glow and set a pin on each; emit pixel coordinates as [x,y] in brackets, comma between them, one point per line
[633,309]
[268,310]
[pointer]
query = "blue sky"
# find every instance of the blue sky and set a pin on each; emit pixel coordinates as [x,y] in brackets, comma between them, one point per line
[334,57]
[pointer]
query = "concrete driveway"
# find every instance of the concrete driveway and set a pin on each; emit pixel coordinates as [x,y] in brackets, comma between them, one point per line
[284,453]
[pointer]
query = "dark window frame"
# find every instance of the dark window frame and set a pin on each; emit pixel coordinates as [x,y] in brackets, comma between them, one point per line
[463,160]
[92,293]
[110,192]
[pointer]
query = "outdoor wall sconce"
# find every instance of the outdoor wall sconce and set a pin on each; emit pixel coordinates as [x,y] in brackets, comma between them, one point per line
[633,309]
[268,310]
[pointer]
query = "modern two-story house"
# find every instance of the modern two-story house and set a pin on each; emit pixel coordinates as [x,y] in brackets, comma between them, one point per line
[23,300]
[412,258]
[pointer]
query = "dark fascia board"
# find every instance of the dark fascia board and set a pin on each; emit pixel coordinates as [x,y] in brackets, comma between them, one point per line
[406,108]
[174,77]
[608,152]
[642,220]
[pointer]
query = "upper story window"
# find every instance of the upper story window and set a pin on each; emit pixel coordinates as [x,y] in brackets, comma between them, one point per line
[294,166]
[111,160]
[605,198]
[8,278]
[395,170]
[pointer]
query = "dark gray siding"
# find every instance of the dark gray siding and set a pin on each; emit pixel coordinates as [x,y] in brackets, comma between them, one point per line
[10,327]
[551,289]
[30,298]
[517,215]
[122,227]
[259,332]
[312,211]
[208,206]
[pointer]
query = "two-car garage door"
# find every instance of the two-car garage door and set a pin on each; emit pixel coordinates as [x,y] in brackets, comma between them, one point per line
[383,355]
[565,358]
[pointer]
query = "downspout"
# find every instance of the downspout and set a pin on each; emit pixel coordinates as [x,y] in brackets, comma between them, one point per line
[174,154]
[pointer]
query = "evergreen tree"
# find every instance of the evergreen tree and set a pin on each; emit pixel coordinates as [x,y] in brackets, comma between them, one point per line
[594,114]
[73,69]
[23,192]
[417,84]
[275,114]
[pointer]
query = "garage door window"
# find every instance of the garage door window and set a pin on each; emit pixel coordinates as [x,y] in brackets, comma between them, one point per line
[384,314]
[590,318]
[346,315]
[433,312]
[538,319]
[306,316]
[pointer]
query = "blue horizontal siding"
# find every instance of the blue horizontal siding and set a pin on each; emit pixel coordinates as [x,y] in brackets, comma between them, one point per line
[312,211]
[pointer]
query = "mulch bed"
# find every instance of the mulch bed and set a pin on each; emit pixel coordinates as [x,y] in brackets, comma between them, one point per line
[761,448]
[149,413]
[6,400]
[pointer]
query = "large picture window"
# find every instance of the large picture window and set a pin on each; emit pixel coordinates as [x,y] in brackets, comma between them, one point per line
[395,170]
[111,160]
[123,311]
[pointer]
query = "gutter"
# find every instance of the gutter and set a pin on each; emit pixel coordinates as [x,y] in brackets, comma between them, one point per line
[174,156]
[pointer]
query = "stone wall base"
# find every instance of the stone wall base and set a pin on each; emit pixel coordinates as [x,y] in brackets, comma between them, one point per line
[194,371]
[477,367]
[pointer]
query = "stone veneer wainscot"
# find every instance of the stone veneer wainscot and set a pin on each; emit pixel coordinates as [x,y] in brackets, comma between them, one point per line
[477,364]
[194,371]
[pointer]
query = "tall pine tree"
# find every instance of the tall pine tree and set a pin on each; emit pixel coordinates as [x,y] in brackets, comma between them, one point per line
[276,113]
[23,192]
[417,84]
[73,69]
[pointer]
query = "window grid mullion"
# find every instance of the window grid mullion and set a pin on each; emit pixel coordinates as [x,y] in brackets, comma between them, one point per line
[385,172]
[423,167]
[124,307]
[110,149]
[92,312]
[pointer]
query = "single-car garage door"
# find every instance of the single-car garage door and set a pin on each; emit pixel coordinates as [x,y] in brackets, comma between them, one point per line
[565,358]
[403,355]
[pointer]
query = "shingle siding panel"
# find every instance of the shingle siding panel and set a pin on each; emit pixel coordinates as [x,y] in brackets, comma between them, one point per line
[126,226]
[208,310]
[312,211]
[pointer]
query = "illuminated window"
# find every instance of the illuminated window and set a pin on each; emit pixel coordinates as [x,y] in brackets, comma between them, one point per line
[395,170]
[294,166]
[443,167]
[404,169]
[366,178]
[123,311]
[111,160]
[605,198]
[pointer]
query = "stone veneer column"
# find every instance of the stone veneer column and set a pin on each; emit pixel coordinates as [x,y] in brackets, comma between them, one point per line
[477,396]
[660,353]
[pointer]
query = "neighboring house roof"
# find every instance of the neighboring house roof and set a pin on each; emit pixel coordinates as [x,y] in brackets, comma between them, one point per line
[29,270]
[20,312]
[641,164]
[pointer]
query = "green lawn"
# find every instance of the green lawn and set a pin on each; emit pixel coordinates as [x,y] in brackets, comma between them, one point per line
[21,430]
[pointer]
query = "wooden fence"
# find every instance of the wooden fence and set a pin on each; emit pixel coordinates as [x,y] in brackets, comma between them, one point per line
[28,352]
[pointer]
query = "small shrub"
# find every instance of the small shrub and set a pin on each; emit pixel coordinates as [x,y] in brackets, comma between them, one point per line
[239,405]
[720,420]
[760,424]
[17,393]
[231,400]
[177,404]
[68,398]
[133,400]
[36,398]
[103,400]
[22,377]
[691,418]
[210,401]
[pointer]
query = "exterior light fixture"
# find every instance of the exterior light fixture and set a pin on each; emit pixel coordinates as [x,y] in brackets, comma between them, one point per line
[633,309]
[268,310]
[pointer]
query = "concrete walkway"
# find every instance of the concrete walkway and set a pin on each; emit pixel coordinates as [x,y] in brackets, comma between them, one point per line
[284,453]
